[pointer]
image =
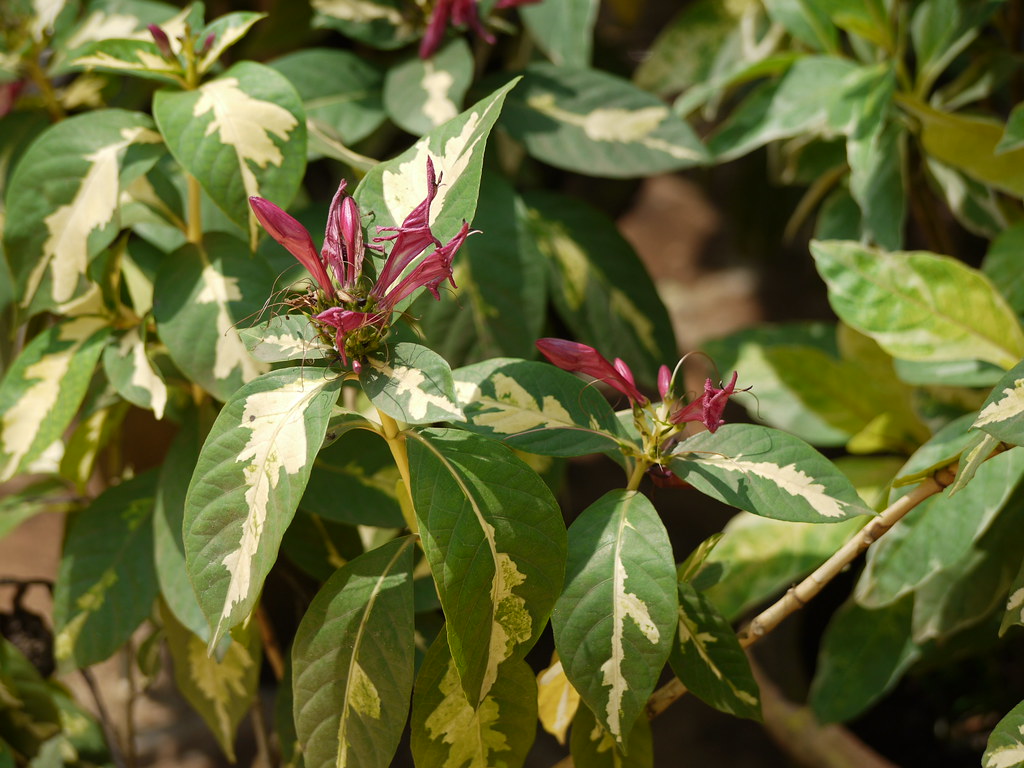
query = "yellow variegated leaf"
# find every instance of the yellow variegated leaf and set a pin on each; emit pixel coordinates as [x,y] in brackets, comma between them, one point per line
[557,700]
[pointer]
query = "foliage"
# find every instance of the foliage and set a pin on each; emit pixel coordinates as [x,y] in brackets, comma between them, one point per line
[350,418]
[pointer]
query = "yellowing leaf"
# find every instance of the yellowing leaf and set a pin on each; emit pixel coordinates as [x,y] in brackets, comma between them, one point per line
[557,700]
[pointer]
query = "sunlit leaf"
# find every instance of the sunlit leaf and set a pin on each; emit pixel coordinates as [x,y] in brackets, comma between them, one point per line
[411,383]
[1002,415]
[557,700]
[382,24]
[285,337]
[1005,747]
[247,484]
[133,374]
[421,94]
[615,621]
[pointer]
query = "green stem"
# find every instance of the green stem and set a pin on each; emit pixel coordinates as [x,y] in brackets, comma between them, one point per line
[639,469]
[42,82]
[399,452]
[195,210]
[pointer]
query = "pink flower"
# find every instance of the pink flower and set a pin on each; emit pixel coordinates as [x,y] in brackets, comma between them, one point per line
[461,13]
[338,268]
[579,358]
[708,407]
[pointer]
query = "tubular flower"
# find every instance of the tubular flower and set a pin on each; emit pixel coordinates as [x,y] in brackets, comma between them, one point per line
[708,407]
[579,358]
[355,315]
[461,13]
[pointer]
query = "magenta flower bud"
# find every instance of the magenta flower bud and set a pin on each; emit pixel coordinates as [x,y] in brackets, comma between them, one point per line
[580,358]
[664,381]
[352,238]
[294,237]
[207,44]
[161,40]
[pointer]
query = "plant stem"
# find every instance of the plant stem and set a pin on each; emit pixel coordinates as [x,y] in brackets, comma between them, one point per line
[271,648]
[195,210]
[637,474]
[260,730]
[109,733]
[42,82]
[396,442]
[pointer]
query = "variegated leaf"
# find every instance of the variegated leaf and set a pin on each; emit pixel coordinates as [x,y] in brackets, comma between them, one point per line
[42,390]
[1002,415]
[450,732]
[1014,615]
[133,374]
[352,661]
[284,337]
[592,122]
[241,134]
[919,305]
[63,200]
[557,700]
[225,31]
[411,383]
[251,473]
[221,689]
[126,20]
[382,24]
[106,584]
[1005,747]
[45,496]
[767,472]
[708,658]
[421,94]
[563,30]
[536,407]
[201,294]
[90,436]
[391,190]
[133,57]
[593,747]
[616,618]
[495,540]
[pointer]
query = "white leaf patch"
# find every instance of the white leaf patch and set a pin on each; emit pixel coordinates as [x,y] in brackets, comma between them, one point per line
[20,423]
[787,478]
[359,11]
[625,605]
[1006,407]
[1005,757]
[471,733]
[66,250]
[437,84]
[408,388]
[247,125]
[144,375]
[623,126]
[278,442]
[513,409]
[1016,603]
[231,354]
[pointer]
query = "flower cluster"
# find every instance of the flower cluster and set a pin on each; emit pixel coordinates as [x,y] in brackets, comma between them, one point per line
[461,13]
[358,311]
[660,429]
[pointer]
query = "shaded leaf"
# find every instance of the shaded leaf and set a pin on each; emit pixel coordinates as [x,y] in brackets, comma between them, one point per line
[132,373]
[557,700]
[1002,415]
[593,747]
[1001,264]
[352,661]
[412,384]
[563,30]
[421,94]
[384,24]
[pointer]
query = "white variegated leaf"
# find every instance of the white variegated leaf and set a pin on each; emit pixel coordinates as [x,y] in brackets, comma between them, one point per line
[1002,415]
[412,384]
[251,473]
[285,337]
[133,374]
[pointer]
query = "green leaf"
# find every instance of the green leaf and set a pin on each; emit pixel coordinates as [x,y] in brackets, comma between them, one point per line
[63,199]
[1002,415]
[1002,266]
[284,337]
[767,472]
[500,306]
[599,285]
[339,89]
[128,57]
[18,506]
[941,30]
[225,31]
[200,296]
[1014,615]
[392,189]
[563,30]
[919,305]
[319,546]
[863,655]
[247,484]
[536,407]
[1005,748]
[616,618]
[132,373]
[106,583]
[867,18]
[421,94]
[802,102]
[241,134]
[595,123]
[1013,135]
[383,24]
[43,389]
[593,747]
[222,690]
[449,732]
[758,558]
[708,659]
[969,144]
[168,514]
[975,205]
[354,481]
[806,21]
[352,661]
[29,716]
[412,384]
[495,540]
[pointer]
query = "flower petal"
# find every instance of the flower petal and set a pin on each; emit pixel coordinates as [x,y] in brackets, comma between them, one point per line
[294,237]
[580,358]
[410,239]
